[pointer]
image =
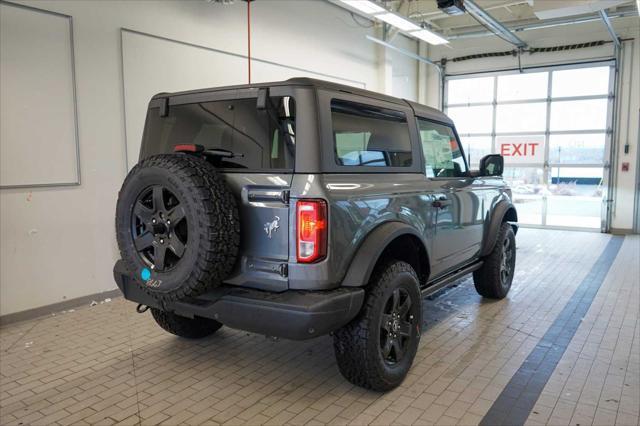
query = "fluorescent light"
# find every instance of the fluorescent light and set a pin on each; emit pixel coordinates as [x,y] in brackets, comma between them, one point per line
[365,6]
[398,21]
[395,20]
[429,37]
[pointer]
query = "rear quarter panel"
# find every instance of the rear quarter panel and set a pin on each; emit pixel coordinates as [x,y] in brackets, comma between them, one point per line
[358,203]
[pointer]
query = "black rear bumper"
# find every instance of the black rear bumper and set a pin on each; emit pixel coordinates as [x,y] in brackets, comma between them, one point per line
[293,314]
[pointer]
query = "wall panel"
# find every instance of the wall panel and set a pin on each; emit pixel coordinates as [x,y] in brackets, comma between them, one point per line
[38,138]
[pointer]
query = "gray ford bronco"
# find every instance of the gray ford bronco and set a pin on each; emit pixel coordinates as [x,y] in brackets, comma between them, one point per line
[301,208]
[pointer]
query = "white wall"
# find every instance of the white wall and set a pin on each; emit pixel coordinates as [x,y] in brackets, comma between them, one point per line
[627,129]
[58,243]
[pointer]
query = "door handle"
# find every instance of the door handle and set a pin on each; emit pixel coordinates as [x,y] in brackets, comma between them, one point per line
[441,202]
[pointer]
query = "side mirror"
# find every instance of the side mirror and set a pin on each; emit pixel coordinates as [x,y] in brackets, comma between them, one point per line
[491,165]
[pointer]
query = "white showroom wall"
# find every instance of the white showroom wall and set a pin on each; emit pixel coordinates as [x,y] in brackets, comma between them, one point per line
[58,242]
[627,127]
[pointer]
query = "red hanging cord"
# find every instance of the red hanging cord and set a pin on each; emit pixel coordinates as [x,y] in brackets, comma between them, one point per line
[249,38]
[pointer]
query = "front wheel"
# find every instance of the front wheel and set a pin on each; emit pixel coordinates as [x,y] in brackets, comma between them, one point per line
[377,348]
[191,328]
[494,279]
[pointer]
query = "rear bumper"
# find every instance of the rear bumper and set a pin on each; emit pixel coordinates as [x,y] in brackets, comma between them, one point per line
[293,314]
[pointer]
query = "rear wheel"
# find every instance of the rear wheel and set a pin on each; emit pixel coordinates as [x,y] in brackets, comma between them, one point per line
[377,348]
[191,328]
[494,279]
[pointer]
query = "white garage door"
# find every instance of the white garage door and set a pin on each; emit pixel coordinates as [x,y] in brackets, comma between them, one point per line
[553,128]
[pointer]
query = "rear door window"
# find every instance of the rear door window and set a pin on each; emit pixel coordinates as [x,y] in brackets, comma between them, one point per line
[366,135]
[258,139]
[442,154]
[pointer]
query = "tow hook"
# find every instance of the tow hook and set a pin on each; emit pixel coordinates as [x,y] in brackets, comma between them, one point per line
[141,309]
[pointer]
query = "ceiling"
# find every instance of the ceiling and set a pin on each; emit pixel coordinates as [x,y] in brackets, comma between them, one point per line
[511,13]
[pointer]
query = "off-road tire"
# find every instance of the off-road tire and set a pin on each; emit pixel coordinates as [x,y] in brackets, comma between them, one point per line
[212,223]
[195,328]
[357,344]
[488,280]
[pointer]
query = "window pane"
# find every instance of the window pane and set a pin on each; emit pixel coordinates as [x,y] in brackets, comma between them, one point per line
[577,149]
[470,90]
[575,197]
[529,117]
[477,119]
[476,147]
[370,136]
[441,150]
[522,86]
[580,82]
[260,142]
[528,187]
[579,115]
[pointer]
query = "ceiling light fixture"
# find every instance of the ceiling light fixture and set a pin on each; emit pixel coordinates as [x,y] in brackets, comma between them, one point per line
[400,22]
[429,37]
[365,6]
[397,21]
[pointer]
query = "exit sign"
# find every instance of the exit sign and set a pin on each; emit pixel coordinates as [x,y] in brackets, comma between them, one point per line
[521,149]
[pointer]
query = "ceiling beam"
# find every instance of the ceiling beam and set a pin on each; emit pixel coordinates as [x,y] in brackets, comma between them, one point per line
[622,12]
[607,23]
[500,30]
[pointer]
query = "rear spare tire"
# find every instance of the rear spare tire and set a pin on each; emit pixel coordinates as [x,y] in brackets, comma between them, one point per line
[177,226]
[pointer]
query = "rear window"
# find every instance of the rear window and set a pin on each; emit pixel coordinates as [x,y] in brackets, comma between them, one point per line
[260,139]
[365,135]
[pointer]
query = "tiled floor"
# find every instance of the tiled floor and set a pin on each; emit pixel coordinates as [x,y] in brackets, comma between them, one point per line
[107,364]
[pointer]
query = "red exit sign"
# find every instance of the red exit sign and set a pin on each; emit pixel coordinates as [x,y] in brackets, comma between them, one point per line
[521,149]
[518,149]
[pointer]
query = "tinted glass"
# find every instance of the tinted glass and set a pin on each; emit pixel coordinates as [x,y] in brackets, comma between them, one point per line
[442,154]
[260,139]
[365,135]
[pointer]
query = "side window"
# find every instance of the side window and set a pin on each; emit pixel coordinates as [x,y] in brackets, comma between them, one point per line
[365,135]
[441,149]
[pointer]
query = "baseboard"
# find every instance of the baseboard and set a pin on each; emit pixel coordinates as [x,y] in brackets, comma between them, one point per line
[621,231]
[56,307]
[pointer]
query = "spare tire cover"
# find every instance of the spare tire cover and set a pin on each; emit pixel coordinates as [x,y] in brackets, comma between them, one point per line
[177,226]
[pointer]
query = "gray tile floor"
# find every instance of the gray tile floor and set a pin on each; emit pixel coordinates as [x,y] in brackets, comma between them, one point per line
[106,364]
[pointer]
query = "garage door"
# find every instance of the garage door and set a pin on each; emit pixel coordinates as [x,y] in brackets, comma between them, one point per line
[553,128]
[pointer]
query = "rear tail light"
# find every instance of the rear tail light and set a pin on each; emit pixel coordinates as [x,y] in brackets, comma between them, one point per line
[311,234]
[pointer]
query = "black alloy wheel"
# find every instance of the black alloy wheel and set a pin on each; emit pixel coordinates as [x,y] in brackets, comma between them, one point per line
[397,322]
[159,228]
[507,263]
[376,349]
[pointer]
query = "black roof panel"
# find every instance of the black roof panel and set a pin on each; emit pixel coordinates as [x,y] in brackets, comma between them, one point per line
[419,109]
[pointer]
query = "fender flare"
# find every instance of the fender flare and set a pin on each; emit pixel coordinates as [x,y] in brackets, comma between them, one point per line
[492,226]
[369,252]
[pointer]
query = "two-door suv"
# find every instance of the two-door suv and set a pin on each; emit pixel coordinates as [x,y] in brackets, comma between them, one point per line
[300,208]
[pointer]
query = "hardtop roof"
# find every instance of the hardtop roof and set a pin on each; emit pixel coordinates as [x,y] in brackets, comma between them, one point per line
[419,109]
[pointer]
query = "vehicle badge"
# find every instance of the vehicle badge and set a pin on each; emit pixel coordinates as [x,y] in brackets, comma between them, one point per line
[271,227]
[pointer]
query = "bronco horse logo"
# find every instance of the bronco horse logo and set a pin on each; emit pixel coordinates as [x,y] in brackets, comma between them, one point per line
[272,226]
